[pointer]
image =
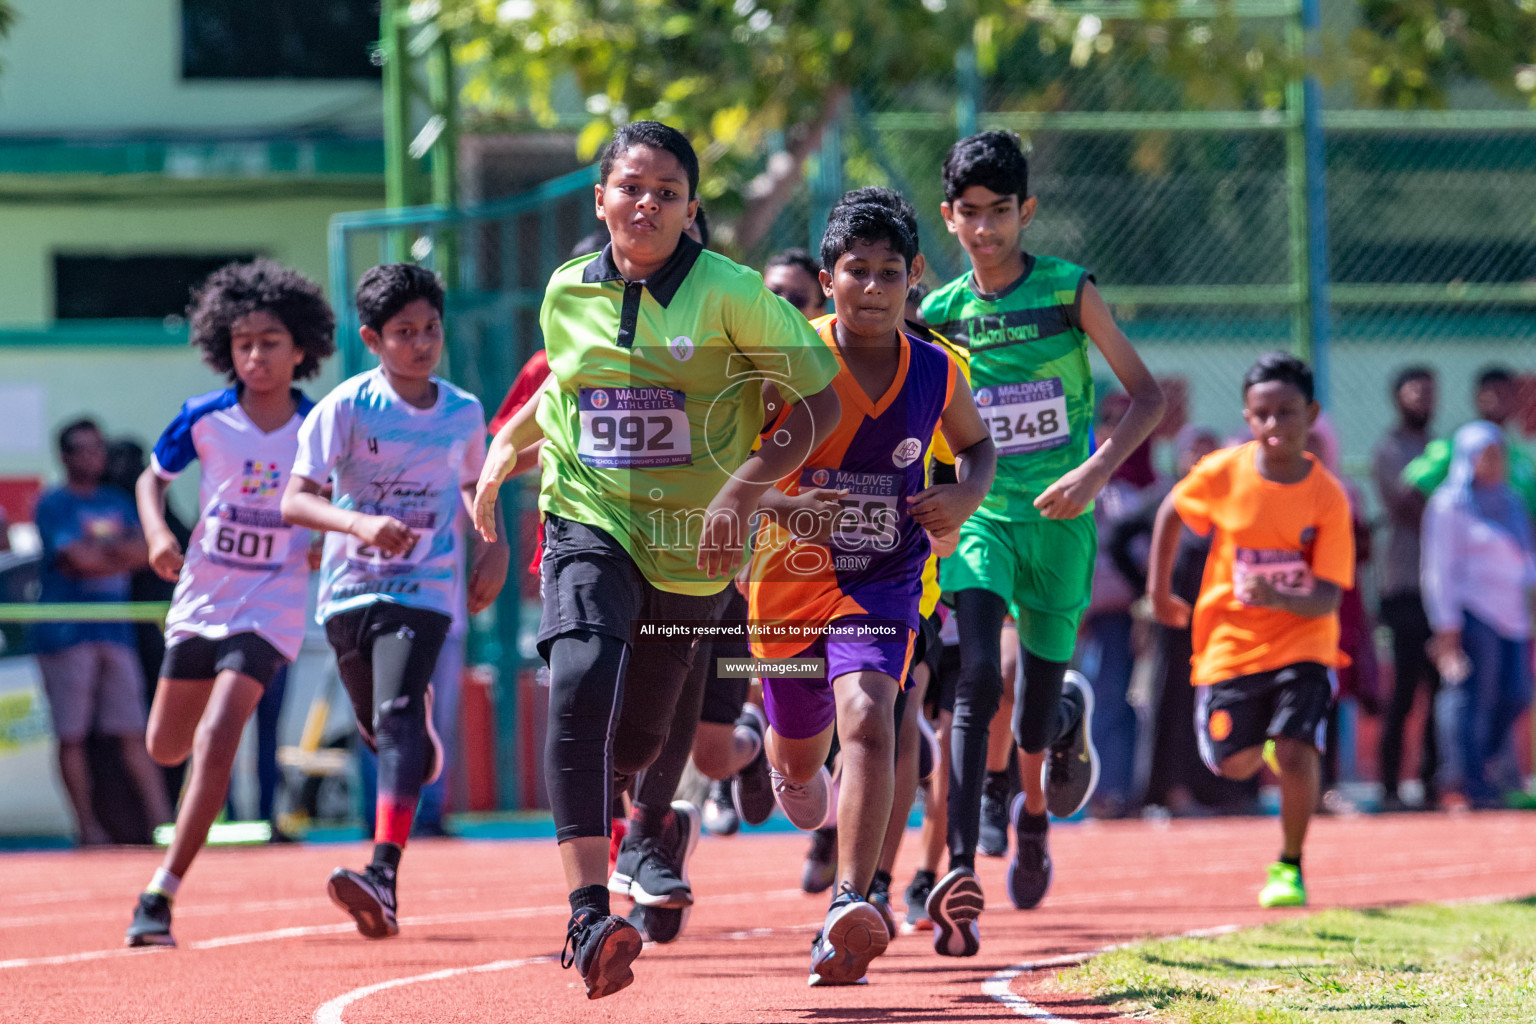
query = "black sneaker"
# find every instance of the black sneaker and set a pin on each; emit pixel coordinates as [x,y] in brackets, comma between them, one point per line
[151,924]
[1029,870]
[852,935]
[720,816]
[880,899]
[752,788]
[993,838]
[601,948]
[1072,765]
[369,897]
[917,903]
[820,869]
[660,925]
[654,872]
[954,905]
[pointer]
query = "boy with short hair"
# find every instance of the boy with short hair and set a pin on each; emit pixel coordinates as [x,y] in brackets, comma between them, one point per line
[1266,625]
[404,449]
[658,349]
[237,617]
[1029,550]
[837,567]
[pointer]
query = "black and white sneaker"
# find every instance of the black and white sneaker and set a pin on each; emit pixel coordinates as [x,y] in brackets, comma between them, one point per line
[853,934]
[369,897]
[720,815]
[151,925]
[1072,764]
[601,948]
[752,787]
[660,925]
[654,872]
[954,905]
[1029,870]
[880,899]
[992,840]
[820,869]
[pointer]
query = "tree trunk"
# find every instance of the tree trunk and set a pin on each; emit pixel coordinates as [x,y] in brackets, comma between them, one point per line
[781,180]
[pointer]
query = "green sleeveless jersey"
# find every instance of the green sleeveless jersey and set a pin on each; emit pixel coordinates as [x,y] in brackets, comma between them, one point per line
[1029,375]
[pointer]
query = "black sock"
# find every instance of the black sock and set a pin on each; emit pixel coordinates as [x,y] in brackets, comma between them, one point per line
[386,860]
[1034,823]
[882,881]
[1294,862]
[998,780]
[590,897]
[648,822]
[956,862]
[924,875]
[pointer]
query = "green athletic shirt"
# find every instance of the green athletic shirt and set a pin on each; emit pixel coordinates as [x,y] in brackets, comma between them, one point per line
[657,397]
[1029,375]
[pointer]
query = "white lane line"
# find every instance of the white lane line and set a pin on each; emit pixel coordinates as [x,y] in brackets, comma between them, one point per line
[331,1012]
[999,987]
[417,921]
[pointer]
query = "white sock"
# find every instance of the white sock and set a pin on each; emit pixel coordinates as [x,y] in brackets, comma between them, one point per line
[164,883]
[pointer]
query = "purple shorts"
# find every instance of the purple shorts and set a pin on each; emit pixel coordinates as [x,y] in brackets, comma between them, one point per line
[801,708]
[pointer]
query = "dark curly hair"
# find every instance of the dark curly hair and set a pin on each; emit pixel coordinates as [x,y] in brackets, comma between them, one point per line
[993,160]
[239,289]
[389,287]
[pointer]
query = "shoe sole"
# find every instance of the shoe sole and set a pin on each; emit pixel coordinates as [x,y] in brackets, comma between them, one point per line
[372,921]
[609,971]
[434,770]
[856,937]
[953,908]
[1024,900]
[1088,747]
[149,939]
[662,926]
[1286,901]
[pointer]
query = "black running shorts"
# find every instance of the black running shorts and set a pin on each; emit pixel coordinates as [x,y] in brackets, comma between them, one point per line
[1243,712]
[198,657]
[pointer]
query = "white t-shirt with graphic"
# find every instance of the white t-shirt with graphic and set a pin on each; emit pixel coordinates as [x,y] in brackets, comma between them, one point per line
[245,569]
[387,457]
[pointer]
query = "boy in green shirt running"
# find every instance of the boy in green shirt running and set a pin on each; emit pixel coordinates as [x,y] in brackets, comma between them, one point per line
[1029,549]
[658,355]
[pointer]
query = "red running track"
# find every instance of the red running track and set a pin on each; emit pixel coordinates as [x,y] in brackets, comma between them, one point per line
[482,923]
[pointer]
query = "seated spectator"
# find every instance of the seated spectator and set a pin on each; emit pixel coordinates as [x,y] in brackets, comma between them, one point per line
[91,544]
[1478,573]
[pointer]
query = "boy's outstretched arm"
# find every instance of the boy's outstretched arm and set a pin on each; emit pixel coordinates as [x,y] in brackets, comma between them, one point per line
[727,519]
[1167,607]
[514,450]
[489,558]
[304,505]
[1069,496]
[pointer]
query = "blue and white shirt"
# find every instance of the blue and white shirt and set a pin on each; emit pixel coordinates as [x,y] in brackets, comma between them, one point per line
[245,569]
[387,457]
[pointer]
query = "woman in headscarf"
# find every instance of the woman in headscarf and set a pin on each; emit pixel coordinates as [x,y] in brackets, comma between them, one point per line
[1478,573]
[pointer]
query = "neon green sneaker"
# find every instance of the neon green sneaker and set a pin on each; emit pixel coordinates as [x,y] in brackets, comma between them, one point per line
[1285,888]
[1270,758]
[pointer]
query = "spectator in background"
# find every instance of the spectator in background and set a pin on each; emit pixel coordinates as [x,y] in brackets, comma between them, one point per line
[1496,399]
[1479,569]
[91,674]
[1177,780]
[1108,651]
[1402,602]
[795,276]
[1359,678]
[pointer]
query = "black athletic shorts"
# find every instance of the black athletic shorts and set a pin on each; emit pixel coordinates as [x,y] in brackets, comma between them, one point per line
[590,584]
[198,657]
[1244,712]
[724,696]
[927,647]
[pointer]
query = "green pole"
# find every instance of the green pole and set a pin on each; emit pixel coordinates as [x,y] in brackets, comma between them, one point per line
[445,149]
[397,120]
[1296,195]
[968,81]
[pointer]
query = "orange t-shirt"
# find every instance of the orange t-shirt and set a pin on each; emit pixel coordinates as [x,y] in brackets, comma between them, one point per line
[1291,533]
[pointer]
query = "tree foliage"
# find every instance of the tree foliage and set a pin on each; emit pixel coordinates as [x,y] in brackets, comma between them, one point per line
[754,82]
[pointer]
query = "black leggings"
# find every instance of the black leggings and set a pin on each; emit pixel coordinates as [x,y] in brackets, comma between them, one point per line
[610,709]
[657,785]
[385,655]
[1039,718]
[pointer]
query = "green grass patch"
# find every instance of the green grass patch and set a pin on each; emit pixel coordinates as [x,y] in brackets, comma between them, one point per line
[1425,964]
